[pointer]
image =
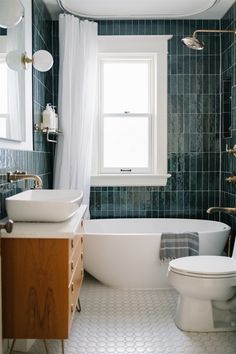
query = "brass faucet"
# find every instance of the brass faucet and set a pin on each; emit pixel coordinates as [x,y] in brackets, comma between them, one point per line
[17,175]
[222,209]
[231,179]
[231,151]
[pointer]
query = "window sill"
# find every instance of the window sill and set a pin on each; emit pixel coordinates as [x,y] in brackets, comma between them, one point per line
[129,180]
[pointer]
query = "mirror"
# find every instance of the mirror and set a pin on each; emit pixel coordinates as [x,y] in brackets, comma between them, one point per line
[16,86]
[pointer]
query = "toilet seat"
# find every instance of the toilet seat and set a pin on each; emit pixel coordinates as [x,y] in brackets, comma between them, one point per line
[204,266]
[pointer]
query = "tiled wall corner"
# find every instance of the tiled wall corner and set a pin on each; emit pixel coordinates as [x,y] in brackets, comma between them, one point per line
[42,81]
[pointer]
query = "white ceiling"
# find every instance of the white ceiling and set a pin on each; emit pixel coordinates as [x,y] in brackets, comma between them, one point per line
[191,9]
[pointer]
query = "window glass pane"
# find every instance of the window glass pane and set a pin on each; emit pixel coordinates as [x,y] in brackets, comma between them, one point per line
[126,87]
[126,142]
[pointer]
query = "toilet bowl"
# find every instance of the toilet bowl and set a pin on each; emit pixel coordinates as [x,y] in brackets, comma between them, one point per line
[207,293]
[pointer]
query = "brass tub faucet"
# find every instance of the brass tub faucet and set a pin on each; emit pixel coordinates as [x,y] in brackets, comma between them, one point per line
[231,179]
[221,209]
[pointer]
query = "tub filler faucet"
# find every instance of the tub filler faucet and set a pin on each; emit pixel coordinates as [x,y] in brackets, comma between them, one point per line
[221,209]
[17,175]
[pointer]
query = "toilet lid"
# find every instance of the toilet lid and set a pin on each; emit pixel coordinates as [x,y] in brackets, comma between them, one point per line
[213,266]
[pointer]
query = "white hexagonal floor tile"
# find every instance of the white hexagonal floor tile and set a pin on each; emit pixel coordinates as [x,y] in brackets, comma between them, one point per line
[114,321]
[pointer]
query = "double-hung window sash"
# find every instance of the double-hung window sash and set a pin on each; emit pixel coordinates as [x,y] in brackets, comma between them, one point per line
[126,114]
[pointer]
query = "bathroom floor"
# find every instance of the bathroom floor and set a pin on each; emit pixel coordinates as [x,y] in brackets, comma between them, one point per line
[116,321]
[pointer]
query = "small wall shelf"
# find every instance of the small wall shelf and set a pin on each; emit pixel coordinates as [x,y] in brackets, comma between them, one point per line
[49,132]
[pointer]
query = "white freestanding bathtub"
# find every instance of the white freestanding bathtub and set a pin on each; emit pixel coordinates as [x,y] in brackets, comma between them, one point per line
[124,253]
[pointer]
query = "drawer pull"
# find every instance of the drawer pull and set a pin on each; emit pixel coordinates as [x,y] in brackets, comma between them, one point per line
[71,308]
[72,287]
[72,265]
[81,257]
[81,240]
[8,226]
[72,243]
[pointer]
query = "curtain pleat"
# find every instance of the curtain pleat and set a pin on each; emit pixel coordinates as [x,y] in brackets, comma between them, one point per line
[76,104]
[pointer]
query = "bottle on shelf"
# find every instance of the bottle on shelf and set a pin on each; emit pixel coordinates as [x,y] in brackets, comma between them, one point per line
[49,118]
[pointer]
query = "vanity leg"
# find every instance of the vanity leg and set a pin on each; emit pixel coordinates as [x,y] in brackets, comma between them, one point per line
[45,346]
[78,306]
[62,346]
[12,346]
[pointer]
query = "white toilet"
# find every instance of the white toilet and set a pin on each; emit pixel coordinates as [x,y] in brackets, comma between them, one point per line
[207,292]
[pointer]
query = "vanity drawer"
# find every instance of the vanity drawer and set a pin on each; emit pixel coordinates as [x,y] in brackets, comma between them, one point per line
[73,243]
[74,287]
[76,256]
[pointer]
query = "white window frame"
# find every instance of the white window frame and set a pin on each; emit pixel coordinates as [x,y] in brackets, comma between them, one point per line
[125,57]
[156,47]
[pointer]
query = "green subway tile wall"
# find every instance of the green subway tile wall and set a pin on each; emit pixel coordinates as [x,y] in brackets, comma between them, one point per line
[228,195]
[194,116]
[193,129]
[39,161]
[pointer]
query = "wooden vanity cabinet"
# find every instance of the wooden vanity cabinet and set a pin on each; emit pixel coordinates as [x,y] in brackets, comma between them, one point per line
[41,280]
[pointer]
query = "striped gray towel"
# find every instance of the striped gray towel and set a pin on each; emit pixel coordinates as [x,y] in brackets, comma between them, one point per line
[175,245]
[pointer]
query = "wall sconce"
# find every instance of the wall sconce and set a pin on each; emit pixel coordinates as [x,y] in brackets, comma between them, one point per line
[42,60]
[11,13]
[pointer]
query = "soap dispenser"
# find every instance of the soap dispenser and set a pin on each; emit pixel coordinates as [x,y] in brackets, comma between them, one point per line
[48,118]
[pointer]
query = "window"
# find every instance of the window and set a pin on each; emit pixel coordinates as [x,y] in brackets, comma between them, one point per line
[132,96]
[126,114]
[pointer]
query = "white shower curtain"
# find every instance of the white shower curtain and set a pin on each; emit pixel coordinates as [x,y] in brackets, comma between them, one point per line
[76,103]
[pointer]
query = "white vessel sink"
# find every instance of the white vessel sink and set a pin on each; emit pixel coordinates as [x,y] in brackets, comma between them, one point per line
[44,205]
